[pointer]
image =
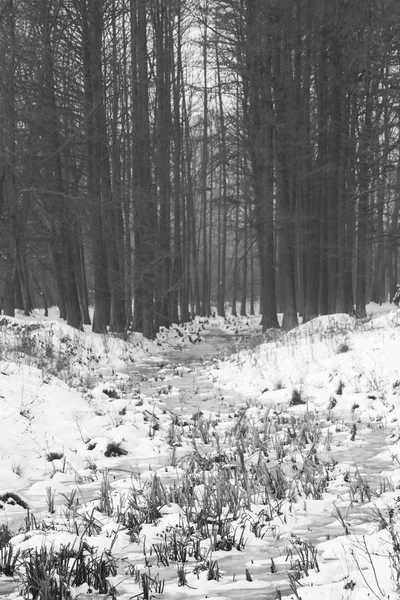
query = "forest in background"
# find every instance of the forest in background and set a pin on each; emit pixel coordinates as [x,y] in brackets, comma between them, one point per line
[160,159]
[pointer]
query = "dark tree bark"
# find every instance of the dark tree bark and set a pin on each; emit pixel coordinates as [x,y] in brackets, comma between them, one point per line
[56,199]
[179,301]
[259,123]
[91,32]
[161,19]
[223,158]
[282,85]
[145,213]
[363,199]
[205,280]
[8,190]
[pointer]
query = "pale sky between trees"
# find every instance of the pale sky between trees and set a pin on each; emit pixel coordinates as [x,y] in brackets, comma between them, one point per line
[160,159]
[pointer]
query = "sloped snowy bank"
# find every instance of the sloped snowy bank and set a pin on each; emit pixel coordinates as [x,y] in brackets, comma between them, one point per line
[117,480]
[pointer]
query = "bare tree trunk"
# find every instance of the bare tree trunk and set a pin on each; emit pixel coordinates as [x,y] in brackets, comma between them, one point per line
[223,166]
[93,95]
[246,248]
[285,193]
[336,174]
[145,210]
[58,208]
[260,143]
[8,192]
[179,300]
[192,273]
[363,200]
[235,282]
[161,24]
[205,307]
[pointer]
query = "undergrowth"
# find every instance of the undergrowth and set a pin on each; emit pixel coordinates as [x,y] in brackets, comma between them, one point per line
[52,350]
[229,483]
[227,472]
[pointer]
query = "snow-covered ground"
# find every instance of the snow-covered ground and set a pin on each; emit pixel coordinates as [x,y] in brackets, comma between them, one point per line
[214,462]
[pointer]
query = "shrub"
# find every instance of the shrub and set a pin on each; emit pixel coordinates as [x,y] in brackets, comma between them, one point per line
[8,560]
[5,535]
[114,449]
[11,498]
[297,398]
[111,393]
[50,456]
[27,343]
[339,389]
[105,505]
[343,347]
[49,575]
[50,495]
[332,403]
[17,469]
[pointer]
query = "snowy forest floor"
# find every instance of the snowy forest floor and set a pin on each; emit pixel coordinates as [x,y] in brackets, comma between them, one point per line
[215,462]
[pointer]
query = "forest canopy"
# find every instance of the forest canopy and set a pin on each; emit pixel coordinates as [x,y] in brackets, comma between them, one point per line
[161,159]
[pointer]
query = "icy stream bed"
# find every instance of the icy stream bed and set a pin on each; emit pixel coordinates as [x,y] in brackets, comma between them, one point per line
[358,443]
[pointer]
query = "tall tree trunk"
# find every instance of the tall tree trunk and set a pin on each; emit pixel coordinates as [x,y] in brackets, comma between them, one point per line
[284,177]
[161,17]
[179,301]
[92,97]
[246,248]
[223,167]
[8,192]
[205,294]
[192,262]
[363,200]
[109,208]
[145,210]
[55,196]
[322,160]
[260,143]
[336,171]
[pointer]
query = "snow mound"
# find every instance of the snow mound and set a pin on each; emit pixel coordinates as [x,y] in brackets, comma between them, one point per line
[391,319]
[324,325]
[59,348]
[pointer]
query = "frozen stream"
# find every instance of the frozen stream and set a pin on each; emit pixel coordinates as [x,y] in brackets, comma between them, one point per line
[179,380]
[185,370]
[193,390]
